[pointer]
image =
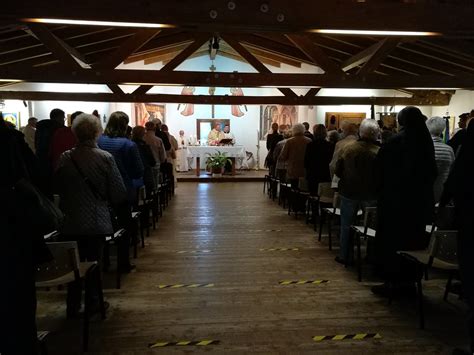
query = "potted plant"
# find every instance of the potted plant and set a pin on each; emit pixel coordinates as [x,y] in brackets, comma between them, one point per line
[216,163]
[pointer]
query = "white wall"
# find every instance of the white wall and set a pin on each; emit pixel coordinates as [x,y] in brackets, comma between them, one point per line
[462,101]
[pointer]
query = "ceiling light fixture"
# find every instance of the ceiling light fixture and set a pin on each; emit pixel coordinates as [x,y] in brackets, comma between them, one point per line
[375,33]
[10,81]
[96,23]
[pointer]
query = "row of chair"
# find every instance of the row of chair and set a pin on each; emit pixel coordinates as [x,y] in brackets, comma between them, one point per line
[66,266]
[324,208]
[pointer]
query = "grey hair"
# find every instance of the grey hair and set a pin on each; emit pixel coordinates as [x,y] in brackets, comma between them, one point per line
[436,125]
[86,127]
[298,129]
[369,129]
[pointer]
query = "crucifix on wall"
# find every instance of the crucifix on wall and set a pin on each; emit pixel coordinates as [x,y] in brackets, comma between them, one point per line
[212,90]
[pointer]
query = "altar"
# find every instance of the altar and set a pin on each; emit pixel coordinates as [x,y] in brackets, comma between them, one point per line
[198,152]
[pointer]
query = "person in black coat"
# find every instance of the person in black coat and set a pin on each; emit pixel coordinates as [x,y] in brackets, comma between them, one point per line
[460,188]
[406,170]
[317,157]
[21,245]
[160,134]
[138,132]
[272,140]
[44,136]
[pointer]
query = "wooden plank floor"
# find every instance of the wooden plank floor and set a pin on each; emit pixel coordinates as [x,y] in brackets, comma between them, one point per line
[213,234]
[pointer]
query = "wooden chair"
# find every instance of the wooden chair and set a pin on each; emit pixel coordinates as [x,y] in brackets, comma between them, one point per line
[325,198]
[364,231]
[66,268]
[298,198]
[113,240]
[441,254]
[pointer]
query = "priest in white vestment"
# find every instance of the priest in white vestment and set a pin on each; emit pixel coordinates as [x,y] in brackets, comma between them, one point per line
[181,153]
[215,135]
[228,134]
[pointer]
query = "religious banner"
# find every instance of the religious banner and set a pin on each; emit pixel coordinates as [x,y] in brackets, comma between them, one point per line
[235,110]
[281,114]
[148,112]
[188,108]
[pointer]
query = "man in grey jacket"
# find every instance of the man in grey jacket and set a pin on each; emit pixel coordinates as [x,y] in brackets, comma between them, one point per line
[444,154]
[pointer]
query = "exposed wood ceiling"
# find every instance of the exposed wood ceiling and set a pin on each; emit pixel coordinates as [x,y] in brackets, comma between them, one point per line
[89,54]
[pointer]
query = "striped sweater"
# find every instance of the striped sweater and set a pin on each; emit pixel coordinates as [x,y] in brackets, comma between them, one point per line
[444,156]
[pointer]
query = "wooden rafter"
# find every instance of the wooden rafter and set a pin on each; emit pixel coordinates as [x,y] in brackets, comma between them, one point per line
[451,18]
[54,74]
[361,57]
[253,61]
[176,61]
[304,43]
[273,57]
[131,45]
[380,54]
[312,92]
[151,55]
[54,45]
[223,99]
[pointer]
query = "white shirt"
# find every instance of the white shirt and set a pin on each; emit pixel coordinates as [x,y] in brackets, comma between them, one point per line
[229,135]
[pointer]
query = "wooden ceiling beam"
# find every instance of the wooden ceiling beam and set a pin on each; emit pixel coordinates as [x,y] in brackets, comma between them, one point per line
[176,61]
[156,53]
[164,58]
[275,47]
[312,92]
[382,52]
[254,62]
[222,99]
[273,57]
[304,43]
[452,18]
[131,45]
[55,45]
[361,57]
[115,89]
[57,74]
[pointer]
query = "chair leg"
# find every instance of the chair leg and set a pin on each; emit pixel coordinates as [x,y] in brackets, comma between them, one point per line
[101,293]
[448,286]
[359,258]
[142,234]
[329,232]
[85,330]
[321,219]
[420,304]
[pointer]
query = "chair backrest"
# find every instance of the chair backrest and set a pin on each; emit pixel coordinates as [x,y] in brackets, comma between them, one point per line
[325,192]
[444,246]
[370,218]
[65,259]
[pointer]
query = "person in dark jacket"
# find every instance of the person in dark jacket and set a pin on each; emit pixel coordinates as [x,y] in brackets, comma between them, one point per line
[45,130]
[129,163]
[307,133]
[406,170]
[357,186]
[21,246]
[317,157]
[460,188]
[457,140]
[148,160]
[160,134]
[272,140]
